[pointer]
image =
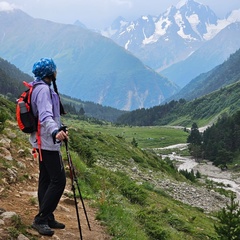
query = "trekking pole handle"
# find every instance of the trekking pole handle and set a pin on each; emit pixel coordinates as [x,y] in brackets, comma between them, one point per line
[63,128]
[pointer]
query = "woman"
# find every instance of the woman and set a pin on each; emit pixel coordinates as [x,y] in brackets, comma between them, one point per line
[46,107]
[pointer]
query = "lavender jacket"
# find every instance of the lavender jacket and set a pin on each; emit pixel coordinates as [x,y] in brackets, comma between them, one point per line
[47,107]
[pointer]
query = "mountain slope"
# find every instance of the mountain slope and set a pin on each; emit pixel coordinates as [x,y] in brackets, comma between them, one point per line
[11,85]
[204,110]
[11,80]
[221,76]
[133,191]
[160,41]
[211,94]
[90,67]
[211,54]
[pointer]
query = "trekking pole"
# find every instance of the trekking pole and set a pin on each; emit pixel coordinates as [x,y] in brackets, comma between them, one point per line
[74,181]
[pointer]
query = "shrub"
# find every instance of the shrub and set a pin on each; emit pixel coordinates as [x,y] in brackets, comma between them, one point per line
[137,159]
[133,192]
[3,118]
[150,219]
[229,221]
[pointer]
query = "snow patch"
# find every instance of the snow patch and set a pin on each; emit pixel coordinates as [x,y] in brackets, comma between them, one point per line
[213,30]
[145,18]
[181,4]
[126,45]
[194,21]
[181,25]
[160,30]
[234,16]
[121,33]
[131,27]
[109,32]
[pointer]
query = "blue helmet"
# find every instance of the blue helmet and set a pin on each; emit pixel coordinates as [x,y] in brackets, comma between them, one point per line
[43,68]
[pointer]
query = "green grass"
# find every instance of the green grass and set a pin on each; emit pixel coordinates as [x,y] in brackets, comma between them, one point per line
[154,215]
[131,209]
[146,137]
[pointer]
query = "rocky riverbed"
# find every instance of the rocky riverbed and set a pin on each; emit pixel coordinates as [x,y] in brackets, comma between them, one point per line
[229,180]
[197,196]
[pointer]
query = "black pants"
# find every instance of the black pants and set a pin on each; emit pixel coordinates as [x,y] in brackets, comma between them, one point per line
[52,181]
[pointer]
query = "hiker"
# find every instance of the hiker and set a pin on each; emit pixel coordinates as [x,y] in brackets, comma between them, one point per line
[46,107]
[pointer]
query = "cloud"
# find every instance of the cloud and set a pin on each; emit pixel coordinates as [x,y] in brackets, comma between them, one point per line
[98,14]
[123,2]
[4,6]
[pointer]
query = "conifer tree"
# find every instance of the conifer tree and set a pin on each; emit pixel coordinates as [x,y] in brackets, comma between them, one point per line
[195,142]
[195,136]
[228,227]
[81,111]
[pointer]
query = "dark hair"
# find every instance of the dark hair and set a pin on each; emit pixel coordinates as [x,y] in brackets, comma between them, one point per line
[53,78]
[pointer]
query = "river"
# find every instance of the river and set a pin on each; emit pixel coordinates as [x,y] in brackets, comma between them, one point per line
[230,180]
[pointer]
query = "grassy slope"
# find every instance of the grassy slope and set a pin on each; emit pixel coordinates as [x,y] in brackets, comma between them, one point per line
[129,210]
[152,136]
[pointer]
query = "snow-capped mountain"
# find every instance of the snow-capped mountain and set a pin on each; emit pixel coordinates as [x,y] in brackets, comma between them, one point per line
[209,55]
[160,41]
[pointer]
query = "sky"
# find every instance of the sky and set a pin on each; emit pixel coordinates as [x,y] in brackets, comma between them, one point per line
[98,14]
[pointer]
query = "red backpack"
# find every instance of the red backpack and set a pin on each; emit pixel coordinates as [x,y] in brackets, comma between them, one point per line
[27,122]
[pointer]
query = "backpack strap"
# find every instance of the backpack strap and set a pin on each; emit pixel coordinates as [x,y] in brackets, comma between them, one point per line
[28,85]
[39,140]
[38,134]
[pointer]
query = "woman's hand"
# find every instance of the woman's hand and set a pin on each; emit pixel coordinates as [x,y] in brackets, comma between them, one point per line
[61,136]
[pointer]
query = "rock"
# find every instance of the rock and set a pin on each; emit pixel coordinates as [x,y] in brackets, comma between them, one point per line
[30,193]
[7,215]
[134,169]
[185,192]
[69,201]
[69,235]
[61,207]
[22,237]
[55,237]
[6,143]
[12,175]
[2,210]
[21,165]
[10,133]
[21,153]
[6,154]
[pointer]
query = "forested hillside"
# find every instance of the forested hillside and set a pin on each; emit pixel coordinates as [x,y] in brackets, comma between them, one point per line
[202,110]
[11,79]
[219,143]
[218,92]
[11,85]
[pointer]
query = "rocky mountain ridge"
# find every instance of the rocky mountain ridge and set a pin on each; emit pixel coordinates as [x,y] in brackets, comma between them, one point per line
[173,36]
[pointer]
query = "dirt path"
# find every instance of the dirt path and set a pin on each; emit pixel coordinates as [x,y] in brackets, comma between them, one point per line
[20,197]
